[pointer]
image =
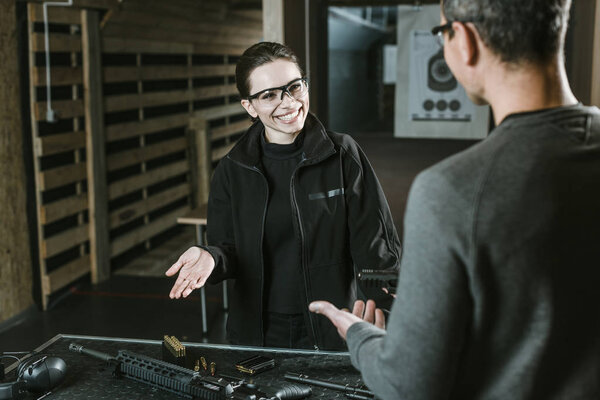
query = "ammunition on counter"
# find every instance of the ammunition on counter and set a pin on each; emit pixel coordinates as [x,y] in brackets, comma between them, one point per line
[173,351]
[213,368]
[203,361]
[197,366]
[174,346]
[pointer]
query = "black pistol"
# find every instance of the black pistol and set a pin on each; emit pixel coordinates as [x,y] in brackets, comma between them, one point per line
[380,278]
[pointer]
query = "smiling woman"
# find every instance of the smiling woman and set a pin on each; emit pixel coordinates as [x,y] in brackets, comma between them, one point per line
[294,210]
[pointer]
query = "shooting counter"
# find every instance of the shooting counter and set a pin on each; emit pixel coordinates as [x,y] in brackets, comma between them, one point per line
[89,378]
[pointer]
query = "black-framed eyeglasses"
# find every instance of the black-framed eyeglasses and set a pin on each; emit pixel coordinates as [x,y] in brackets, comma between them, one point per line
[272,97]
[438,31]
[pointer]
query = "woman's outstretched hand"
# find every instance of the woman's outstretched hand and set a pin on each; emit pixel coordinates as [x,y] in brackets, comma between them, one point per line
[194,266]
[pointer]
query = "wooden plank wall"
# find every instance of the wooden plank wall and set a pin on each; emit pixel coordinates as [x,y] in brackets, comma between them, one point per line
[161,63]
[15,259]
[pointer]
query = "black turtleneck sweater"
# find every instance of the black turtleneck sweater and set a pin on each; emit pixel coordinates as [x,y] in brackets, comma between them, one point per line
[281,246]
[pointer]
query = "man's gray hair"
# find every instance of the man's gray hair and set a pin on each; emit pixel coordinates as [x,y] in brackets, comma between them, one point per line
[516,30]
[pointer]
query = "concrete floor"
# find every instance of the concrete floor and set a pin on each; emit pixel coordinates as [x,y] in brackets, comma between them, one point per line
[139,307]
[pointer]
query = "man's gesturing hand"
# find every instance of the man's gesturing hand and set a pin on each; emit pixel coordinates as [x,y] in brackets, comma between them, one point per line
[194,266]
[342,319]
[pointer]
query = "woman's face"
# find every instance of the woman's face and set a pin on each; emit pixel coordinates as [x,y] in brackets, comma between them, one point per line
[283,120]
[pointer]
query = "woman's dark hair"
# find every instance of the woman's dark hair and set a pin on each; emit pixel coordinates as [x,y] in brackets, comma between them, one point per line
[257,55]
[516,30]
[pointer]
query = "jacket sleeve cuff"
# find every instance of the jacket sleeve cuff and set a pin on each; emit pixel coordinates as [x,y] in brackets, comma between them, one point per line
[218,272]
[360,337]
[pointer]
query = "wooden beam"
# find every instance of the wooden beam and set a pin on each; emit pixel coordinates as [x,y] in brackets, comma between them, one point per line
[96,153]
[150,73]
[228,130]
[595,87]
[61,142]
[137,128]
[59,42]
[151,99]
[128,240]
[64,241]
[63,208]
[56,177]
[273,28]
[140,208]
[66,274]
[146,153]
[58,76]
[200,159]
[583,21]
[141,181]
[63,108]
[220,111]
[15,256]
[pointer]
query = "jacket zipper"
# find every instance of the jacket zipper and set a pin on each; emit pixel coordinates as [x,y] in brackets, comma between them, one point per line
[302,246]
[262,258]
[303,256]
[262,233]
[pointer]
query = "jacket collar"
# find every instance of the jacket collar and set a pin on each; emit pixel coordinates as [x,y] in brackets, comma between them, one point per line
[317,143]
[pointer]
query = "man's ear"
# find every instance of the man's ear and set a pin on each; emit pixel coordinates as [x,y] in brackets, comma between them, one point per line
[467,39]
[249,108]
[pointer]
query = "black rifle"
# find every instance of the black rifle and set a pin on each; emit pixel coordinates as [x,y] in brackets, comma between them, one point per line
[353,392]
[382,278]
[188,383]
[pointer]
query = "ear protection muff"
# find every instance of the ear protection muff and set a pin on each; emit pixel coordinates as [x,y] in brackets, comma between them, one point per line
[38,373]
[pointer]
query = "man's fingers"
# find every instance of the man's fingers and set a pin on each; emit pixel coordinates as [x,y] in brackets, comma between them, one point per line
[379,318]
[323,307]
[369,315]
[359,308]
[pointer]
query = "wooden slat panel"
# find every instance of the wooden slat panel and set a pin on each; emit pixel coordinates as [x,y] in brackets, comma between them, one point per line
[64,108]
[124,74]
[58,42]
[64,241]
[129,45]
[66,274]
[252,15]
[146,20]
[127,241]
[59,143]
[58,76]
[96,4]
[131,101]
[140,208]
[228,130]
[60,176]
[220,111]
[220,152]
[194,10]
[63,208]
[136,128]
[130,30]
[136,156]
[136,45]
[57,15]
[137,182]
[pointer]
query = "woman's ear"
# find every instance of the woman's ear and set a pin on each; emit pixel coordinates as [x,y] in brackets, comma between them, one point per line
[249,108]
[466,37]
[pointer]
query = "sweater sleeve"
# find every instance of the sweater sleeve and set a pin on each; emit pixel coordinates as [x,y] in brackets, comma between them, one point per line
[417,357]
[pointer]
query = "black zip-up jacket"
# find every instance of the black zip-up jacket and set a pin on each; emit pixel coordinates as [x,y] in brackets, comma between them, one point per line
[341,218]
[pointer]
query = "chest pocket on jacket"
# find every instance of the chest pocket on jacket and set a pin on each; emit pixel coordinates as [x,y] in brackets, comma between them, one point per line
[325,195]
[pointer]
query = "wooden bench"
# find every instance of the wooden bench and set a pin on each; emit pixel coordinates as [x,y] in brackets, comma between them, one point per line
[197,217]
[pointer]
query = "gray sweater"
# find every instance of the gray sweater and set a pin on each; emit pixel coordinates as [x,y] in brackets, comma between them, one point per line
[499,289]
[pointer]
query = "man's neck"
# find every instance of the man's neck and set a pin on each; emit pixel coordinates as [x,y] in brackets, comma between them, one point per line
[527,87]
